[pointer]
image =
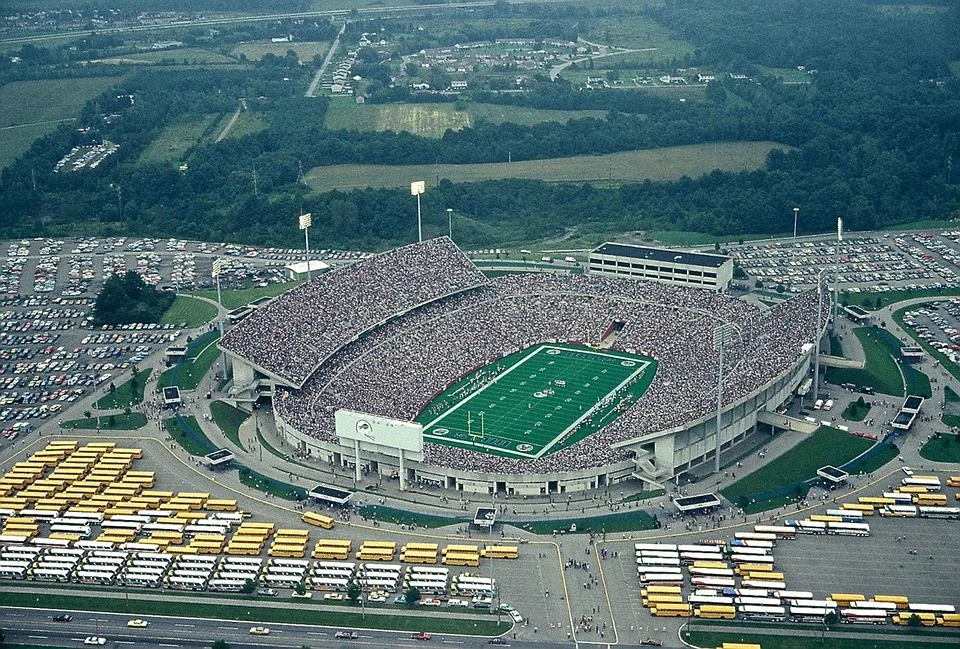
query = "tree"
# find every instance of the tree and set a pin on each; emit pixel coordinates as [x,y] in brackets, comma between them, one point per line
[220,644]
[831,618]
[87,414]
[300,589]
[781,288]
[411,596]
[913,620]
[758,283]
[353,592]
[248,587]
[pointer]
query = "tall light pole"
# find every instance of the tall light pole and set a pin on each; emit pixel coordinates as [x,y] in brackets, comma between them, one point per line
[816,342]
[306,220]
[217,270]
[722,334]
[796,212]
[450,222]
[417,188]
[836,273]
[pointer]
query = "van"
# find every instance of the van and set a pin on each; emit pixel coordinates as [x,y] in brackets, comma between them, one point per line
[818,405]
[549,260]
[481,602]
[570,260]
[828,405]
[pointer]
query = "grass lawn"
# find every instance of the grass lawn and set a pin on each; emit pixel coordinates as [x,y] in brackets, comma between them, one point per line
[686,238]
[402,517]
[951,420]
[228,419]
[202,353]
[886,454]
[235,298]
[125,394]
[880,370]
[31,109]
[795,641]
[950,395]
[644,495]
[120,421]
[537,401]
[668,163]
[824,446]
[249,612]
[276,488]
[189,312]
[178,137]
[190,436]
[856,412]
[945,448]
[625,522]
[248,123]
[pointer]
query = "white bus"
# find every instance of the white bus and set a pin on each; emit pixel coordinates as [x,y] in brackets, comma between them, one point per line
[811,527]
[9,570]
[281,581]
[241,575]
[102,578]
[187,583]
[104,561]
[94,545]
[147,570]
[328,583]
[79,530]
[711,572]
[778,532]
[849,529]
[763,613]
[141,579]
[655,546]
[182,572]
[345,565]
[742,550]
[250,562]
[157,557]
[52,543]
[931,484]
[709,599]
[428,570]
[758,601]
[88,517]
[662,579]
[713,582]
[809,613]
[428,587]
[284,570]
[48,574]
[752,558]
[130,518]
[66,552]
[121,525]
[668,554]
[899,511]
[863,616]
[925,512]
[657,561]
[931,608]
[226,585]
[290,563]
[163,527]
[793,595]
[197,560]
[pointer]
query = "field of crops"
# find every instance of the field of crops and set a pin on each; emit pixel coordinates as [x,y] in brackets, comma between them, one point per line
[628,166]
[305,50]
[192,55]
[432,120]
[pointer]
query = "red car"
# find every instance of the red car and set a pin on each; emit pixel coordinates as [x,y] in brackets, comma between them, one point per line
[421,636]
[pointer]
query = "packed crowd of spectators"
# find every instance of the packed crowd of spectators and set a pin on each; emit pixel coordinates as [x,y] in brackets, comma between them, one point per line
[397,369]
[295,333]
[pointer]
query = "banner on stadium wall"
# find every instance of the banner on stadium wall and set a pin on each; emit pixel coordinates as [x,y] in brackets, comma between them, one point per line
[379,434]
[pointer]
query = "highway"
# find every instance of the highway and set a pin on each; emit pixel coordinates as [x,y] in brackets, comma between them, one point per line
[37,627]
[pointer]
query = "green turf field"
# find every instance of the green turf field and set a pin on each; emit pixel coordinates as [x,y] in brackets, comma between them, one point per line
[537,401]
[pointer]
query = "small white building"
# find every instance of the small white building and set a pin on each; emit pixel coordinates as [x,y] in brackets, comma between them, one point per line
[298,272]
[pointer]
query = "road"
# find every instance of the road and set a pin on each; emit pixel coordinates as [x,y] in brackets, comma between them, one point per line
[326,62]
[36,627]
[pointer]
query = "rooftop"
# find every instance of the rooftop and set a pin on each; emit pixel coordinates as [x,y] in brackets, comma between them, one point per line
[661,254]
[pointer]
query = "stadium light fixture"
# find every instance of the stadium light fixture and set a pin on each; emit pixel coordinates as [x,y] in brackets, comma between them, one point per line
[796,212]
[722,335]
[417,188]
[450,222]
[816,341]
[306,220]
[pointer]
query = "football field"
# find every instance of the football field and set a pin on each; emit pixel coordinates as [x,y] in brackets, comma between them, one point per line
[537,401]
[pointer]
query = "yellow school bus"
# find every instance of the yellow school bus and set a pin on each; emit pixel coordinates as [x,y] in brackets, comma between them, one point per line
[313,518]
[715,612]
[672,610]
[866,510]
[900,600]
[461,559]
[500,552]
[926,619]
[221,505]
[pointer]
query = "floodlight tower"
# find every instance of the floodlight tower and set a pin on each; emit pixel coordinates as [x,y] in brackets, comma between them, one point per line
[450,222]
[417,188]
[306,220]
[836,272]
[816,341]
[722,334]
[796,212]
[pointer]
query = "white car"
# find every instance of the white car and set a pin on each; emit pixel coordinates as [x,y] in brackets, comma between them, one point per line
[138,624]
[516,616]
[259,630]
[95,640]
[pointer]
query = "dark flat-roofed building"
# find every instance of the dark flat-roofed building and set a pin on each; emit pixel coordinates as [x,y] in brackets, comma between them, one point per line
[697,269]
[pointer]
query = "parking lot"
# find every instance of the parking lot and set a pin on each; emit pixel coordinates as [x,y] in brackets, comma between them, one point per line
[868,263]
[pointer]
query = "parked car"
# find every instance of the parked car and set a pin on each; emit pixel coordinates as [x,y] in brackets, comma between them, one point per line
[346,635]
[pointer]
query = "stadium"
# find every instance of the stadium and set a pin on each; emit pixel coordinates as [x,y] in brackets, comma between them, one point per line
[522,384]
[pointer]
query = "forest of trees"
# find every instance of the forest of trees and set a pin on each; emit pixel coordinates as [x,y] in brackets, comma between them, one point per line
[873,134]
[126,298]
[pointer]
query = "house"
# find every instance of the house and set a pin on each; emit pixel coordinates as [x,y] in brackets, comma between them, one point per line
[458,85]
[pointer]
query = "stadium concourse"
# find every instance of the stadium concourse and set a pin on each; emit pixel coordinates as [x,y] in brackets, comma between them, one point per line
[388,334]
